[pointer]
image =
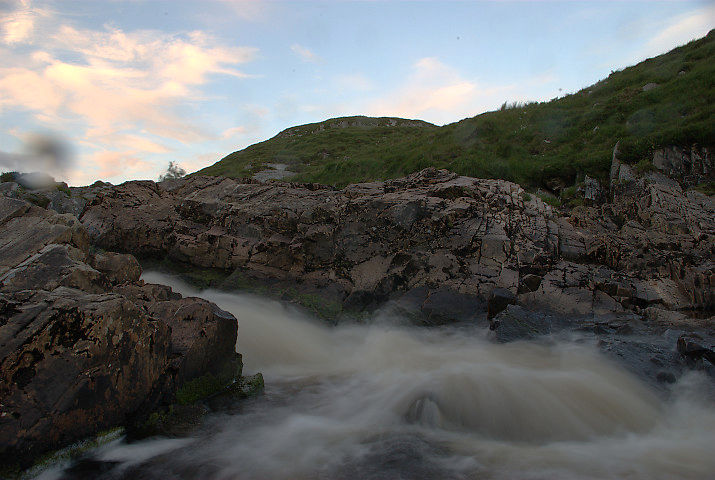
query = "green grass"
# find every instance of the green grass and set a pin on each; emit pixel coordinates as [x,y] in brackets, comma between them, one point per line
[708,188]
[533,144]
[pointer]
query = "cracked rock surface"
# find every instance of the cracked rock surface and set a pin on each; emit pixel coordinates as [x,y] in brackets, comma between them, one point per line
[85,345]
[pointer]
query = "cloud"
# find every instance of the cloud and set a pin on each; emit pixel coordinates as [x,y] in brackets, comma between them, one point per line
[18,25]
[110,164]
[436,92]
[126,95]
[231,132]
[128,91]
[686,27]
[305,53]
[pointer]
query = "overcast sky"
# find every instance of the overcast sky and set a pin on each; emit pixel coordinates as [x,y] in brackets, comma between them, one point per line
[129,86]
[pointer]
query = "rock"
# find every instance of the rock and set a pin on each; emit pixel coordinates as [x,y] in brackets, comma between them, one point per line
[615,163]
[516,323]
[120,268]
[648,356]
[666,377]
[649,86]
[84,349]
[691,347]
[529,283]
[74,363]
[592,191]
[690,166]
[445,306]
[499,298]
[373,242]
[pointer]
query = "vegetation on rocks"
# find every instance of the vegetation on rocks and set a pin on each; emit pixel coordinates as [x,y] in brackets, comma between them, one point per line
[545,144]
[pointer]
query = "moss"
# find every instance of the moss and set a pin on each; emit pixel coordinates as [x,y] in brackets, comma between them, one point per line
[644,165]
[66,454]
[198,389]
[553,201]
[569,192]
[526,197]
[39,200]
[708,188]
[248,386]
[64,189]
[320,306]
[176,420]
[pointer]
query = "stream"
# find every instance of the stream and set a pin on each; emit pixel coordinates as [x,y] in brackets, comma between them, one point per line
[387,400]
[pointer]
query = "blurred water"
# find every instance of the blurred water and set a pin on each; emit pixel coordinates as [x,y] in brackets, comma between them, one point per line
[387,401]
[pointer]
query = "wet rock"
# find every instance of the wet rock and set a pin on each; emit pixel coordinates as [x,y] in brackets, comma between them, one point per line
[517,323]
[650,357]
[665,377]
[499,299]
[74,363]
[529,283]
[444,306]
[691,347]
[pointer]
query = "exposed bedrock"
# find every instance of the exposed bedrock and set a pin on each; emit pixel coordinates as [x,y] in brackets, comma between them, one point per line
[433,232]
[84,344]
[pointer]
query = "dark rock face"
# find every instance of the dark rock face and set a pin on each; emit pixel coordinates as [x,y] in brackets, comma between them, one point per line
[652,245]
[691,347]
[84,344]
[517,323]
[499,298]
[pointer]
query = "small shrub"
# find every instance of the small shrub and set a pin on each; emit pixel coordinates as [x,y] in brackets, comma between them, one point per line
[173,171]
[66,190]
[644,165]
[553,201]
[7,177]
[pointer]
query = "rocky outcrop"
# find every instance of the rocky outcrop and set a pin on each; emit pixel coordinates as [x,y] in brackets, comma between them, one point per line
[652,245]
[84,344]
[690,165]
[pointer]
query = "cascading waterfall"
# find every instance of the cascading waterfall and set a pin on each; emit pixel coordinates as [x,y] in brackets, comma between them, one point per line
[389,401]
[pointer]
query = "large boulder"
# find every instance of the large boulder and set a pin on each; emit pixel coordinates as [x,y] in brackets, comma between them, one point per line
[84,344]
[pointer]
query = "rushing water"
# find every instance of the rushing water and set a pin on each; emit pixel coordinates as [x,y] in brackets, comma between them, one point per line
[389,401]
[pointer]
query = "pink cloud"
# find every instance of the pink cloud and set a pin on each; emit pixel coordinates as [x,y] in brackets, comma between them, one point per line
[121,81]
[112,164]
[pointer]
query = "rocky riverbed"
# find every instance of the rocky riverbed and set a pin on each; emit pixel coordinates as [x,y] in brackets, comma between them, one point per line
[86,344]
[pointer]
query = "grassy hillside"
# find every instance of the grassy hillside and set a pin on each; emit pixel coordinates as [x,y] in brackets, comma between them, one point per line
[545,144]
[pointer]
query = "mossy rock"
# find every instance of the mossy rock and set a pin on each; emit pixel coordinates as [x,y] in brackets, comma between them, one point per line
[176,421]
[66,454]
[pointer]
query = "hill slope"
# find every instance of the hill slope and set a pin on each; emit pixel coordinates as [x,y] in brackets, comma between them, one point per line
[666,100]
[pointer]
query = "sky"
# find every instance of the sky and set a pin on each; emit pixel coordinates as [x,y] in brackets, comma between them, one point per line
[115,90]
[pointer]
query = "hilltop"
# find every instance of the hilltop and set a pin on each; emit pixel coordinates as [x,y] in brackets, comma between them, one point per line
[665,100]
